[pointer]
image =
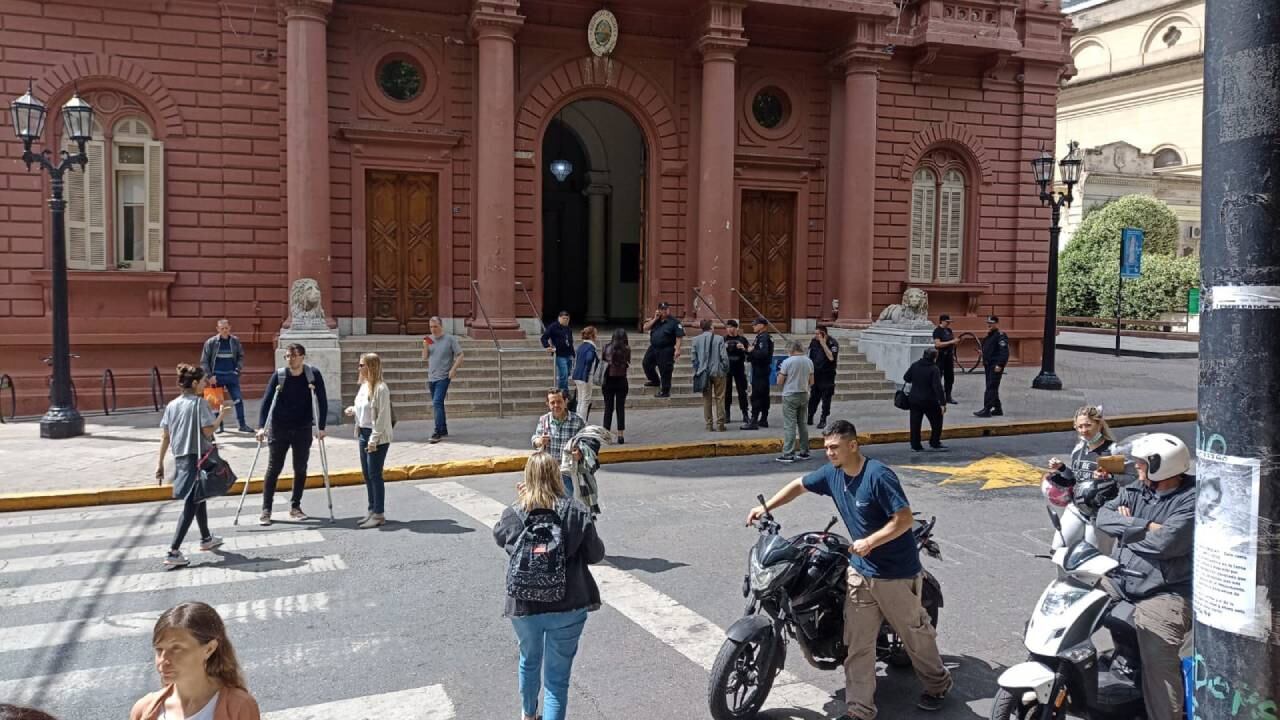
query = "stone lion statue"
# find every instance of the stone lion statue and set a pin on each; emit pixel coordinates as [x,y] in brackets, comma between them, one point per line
[913,310]
[305,311]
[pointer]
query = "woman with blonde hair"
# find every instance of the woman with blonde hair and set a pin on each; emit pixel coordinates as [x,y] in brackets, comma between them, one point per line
[373,416]
[199,670]
[550,540]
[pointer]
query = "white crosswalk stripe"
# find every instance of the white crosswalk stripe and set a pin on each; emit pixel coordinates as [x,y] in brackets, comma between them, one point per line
[257,541]
[13,520]
[425,703]
[682,629]
[111,627]
[159,526]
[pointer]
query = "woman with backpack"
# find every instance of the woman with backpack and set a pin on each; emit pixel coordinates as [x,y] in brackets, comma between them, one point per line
[372,413]
[187,428]
[550,540]
[584,366]
[617,359]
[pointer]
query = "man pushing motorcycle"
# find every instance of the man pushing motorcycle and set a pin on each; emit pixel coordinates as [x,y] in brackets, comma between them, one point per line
[1153,522]
[885,577]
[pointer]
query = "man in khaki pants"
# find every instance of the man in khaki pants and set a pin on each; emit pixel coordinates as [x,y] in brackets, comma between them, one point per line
[885,575]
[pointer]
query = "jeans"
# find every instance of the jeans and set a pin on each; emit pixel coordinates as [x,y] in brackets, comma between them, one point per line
[615,398]
[232,383]
[282,441]
[567,479]
[793,407]
[563,365]
[371,465]
[548,644]
[439,388]
[918,413]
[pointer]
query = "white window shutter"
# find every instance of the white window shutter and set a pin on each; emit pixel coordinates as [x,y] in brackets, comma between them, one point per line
[75,216]
[923,210]
[96,204]
[951,229]
[153,153]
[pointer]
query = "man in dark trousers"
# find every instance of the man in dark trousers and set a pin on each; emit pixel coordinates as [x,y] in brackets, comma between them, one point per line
[760,355]
[824,352]
[286,423]
[736,345]
[665,335]
[995,355]
[945,342]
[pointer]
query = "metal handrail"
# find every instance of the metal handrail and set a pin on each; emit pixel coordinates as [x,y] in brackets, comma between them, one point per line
[537,314]
[108,377]
[709,305]
[157,392]
[7,382]
[475,292]
[756,310]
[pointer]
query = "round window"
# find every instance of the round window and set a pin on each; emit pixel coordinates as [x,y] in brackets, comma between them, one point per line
[770,108]
[400,79]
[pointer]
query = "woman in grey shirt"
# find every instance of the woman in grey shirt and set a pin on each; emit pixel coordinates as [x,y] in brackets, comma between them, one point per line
[187,428]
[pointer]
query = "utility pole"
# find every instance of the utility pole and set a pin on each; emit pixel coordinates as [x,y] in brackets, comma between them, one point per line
[1237,543]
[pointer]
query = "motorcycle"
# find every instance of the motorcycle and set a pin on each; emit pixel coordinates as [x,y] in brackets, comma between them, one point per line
[796,589]
[1065,672]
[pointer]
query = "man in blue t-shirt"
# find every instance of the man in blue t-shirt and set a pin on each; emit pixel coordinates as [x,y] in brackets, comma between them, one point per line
[885,576]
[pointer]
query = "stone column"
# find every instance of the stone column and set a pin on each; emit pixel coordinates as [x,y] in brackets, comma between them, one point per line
[307,142]
[858,192]
[835,196]
[717,140]
[495,23]
[597,245]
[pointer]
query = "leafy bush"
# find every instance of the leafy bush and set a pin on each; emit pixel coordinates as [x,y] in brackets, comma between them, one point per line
[1162,287]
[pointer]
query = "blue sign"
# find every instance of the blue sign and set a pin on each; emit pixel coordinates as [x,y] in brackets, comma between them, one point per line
[1131,253]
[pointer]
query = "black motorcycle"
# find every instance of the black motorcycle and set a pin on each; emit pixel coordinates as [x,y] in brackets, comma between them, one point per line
[797,587]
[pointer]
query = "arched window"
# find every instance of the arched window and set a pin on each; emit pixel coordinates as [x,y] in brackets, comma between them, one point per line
[938,197]
[1168,157]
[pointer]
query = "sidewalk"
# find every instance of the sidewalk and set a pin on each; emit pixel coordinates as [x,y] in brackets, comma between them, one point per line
[1161,348]
[120,451]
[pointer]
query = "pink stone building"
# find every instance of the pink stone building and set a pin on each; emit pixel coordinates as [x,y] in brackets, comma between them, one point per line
[813,156]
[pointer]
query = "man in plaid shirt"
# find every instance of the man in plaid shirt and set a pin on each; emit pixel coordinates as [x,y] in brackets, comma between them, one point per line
[555,430]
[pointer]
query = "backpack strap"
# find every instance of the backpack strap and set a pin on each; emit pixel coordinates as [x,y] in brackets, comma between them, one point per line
[310,373]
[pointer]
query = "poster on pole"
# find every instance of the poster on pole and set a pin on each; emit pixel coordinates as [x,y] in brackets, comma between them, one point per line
[1131,253]
[1225,578]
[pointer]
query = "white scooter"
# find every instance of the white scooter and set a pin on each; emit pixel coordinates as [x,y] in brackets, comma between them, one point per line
[1065,671]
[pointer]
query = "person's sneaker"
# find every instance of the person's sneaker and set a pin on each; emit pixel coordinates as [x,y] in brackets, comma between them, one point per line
[929,702]
[297,514]
[748,426]
[245,429]
[174,559]
[265,518]
[213,542]
[803,456]
[435,438]
[982,413]
[786,458]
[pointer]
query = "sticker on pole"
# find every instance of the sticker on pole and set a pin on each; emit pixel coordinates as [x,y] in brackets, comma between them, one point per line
[1225,578]
[1243,297]
[1131,253]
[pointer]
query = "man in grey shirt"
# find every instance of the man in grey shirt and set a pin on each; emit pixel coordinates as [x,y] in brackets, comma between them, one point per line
[795,375]
[443,354]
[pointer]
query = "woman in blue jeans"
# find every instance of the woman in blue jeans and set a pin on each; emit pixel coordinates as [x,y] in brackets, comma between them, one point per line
[548,632]
[372,413]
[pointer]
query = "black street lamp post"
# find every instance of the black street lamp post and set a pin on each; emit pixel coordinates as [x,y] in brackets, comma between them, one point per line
[1042,167]
[62,419]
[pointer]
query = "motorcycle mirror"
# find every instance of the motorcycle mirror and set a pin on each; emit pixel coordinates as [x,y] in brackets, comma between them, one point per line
[767,514]
[830,525]
[1057,524]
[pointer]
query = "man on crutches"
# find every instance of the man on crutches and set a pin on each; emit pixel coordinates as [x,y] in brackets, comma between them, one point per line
[292,411]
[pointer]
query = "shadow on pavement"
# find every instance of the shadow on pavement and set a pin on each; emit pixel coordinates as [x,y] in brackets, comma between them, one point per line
[424,527]
[649,565]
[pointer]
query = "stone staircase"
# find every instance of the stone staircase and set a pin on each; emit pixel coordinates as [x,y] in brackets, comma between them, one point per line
[527,373]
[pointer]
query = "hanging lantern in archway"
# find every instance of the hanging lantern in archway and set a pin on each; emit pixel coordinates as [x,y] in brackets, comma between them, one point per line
[560,167]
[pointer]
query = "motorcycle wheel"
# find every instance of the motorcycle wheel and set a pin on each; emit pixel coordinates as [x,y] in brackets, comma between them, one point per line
[739,683]
[898,657]
[1008,706]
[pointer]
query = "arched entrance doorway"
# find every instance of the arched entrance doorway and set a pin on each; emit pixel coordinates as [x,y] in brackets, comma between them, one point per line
[593,217]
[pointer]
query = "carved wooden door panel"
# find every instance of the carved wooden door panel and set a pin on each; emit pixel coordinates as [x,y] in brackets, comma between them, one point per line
[767,244]
[402,236]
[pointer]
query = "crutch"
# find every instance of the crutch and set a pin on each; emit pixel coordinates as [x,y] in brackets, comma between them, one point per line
[324,457]
[247,478]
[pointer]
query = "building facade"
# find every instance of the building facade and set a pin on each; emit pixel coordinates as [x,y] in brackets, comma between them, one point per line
[473,159]
[1136,105]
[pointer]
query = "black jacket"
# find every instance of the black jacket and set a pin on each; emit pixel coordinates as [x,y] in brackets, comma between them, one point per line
[736,346]
[1163,556]
[824,370]
[761,356]
[584,548]
[995,349]
[560,337]
[926,384]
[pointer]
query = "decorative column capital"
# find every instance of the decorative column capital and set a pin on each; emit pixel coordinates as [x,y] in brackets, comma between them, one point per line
[866,47]
[722,35]
[317,10]
[496,19]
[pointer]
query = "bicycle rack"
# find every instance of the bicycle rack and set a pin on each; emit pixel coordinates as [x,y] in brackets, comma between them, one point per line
[157,393]
[6,382]
[108,377]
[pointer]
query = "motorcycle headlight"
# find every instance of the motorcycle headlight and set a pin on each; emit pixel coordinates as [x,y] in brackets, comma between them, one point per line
[1061,597]
[762,578]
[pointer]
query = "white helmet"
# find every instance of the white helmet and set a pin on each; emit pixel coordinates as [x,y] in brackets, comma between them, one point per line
[1164,455]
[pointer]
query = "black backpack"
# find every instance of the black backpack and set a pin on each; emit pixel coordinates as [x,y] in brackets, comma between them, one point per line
[536,570]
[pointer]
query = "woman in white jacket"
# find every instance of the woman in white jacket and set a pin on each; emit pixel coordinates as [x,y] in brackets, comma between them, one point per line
[372,413]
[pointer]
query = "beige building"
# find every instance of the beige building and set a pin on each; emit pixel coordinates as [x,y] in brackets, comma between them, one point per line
[1135,105]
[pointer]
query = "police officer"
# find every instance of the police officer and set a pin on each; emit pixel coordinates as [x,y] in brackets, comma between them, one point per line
[760,355]
[665,335]
[824,352]
[736,345]
[995,355]
[944,341]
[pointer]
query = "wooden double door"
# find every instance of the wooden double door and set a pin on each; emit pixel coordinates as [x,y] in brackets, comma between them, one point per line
[767,249]
[403,239]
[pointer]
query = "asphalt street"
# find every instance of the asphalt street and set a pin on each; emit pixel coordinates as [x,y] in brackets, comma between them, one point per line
[406,621]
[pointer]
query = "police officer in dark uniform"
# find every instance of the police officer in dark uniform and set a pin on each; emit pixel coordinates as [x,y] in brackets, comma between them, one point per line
[760,354]
[995,355]
[944,341]
[665,335]
[737,348]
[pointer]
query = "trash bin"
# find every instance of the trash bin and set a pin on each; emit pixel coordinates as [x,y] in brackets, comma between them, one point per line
[773,369]
[1193,301]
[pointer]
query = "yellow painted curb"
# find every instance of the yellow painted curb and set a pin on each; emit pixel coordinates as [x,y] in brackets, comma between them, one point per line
[514,463]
